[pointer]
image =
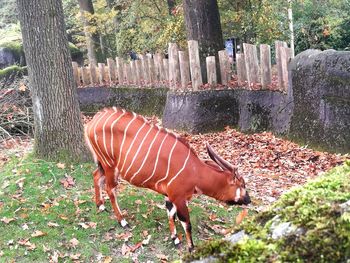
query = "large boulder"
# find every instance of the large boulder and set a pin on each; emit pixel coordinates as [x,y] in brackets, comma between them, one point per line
[321,94]
[7,58]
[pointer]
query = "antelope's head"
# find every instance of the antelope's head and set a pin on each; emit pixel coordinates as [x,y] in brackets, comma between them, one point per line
[234,192]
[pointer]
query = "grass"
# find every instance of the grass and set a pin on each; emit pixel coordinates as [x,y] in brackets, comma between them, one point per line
[314,209]
[33,198]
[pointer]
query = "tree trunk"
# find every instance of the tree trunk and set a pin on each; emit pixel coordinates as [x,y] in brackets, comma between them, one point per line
[202,21]
[92,39]
[58,128]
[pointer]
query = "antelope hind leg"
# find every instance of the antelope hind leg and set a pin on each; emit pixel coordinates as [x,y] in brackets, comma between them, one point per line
[99,182]
[171,210]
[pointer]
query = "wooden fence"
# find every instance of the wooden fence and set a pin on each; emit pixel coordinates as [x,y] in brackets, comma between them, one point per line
[182,71]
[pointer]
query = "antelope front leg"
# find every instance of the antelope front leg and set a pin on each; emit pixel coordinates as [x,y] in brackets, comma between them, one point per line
[171,210]
[184,217]
[99,182]
[111,189]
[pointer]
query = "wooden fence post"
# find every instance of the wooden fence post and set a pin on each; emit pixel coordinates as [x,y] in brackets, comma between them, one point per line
[251,63]
[184,69]
[145,74]
[93,74]
[174,67]
[76,73]
[195,66]
[138,72]
[278,45]
[152,72]
[101,71]
[241,71]
[285,56]
[225,71]
[120,68]
[166,70]
[211,71]
[265,65]
[111,67]
[85,76]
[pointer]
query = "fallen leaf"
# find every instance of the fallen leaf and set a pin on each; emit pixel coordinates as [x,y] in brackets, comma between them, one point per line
[61,165]
[107,260]
[67,181]
[125,249]
[138,202]
[135,247]
[126,236]
[52,224]
[162,257]
[22,87]
[38,233]
[241,216]
[75,256]
[7,220]
[25,227]
[74,242]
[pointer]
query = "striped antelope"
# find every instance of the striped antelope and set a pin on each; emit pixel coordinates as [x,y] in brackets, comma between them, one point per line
[125,144]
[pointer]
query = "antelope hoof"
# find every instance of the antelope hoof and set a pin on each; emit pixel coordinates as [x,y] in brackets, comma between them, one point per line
[124,223]
[190,249]
[102,208]
[177,242]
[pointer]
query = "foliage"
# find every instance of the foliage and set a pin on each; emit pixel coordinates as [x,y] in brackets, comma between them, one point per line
[314,209]
[256,21]
[322,24]
[7,13]
[47,212]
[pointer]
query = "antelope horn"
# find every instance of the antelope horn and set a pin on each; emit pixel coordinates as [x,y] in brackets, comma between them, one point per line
[220,161]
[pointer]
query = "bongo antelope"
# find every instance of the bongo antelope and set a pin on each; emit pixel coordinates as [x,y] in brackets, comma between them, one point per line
[126,145]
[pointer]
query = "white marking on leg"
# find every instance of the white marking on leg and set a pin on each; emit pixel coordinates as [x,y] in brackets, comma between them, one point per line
[102,208]
[169,162]
[177,241]
[123,223]
[104,134]
[172,212]
[131,145]
[182,168]
[124,136]
[184,225]
[238,194]
[144,160]
[112,125]
[138,150]
[156,162]
[101,183]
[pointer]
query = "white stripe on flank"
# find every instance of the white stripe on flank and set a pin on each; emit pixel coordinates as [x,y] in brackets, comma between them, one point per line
[104,133]
[155,165]
[131,145]
[87,136]
[183,167]
[124,136]
[138,150]
[169,162]
[144,160]
[112,125]
[96,143]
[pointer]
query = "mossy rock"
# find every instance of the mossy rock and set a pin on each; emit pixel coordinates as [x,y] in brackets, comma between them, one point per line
[14,70]
[316,210]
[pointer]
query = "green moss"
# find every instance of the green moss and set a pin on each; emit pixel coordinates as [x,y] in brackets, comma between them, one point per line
[12,70]
[314,209]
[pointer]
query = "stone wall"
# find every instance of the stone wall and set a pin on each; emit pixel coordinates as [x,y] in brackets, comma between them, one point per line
[147,101]
[211,110]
